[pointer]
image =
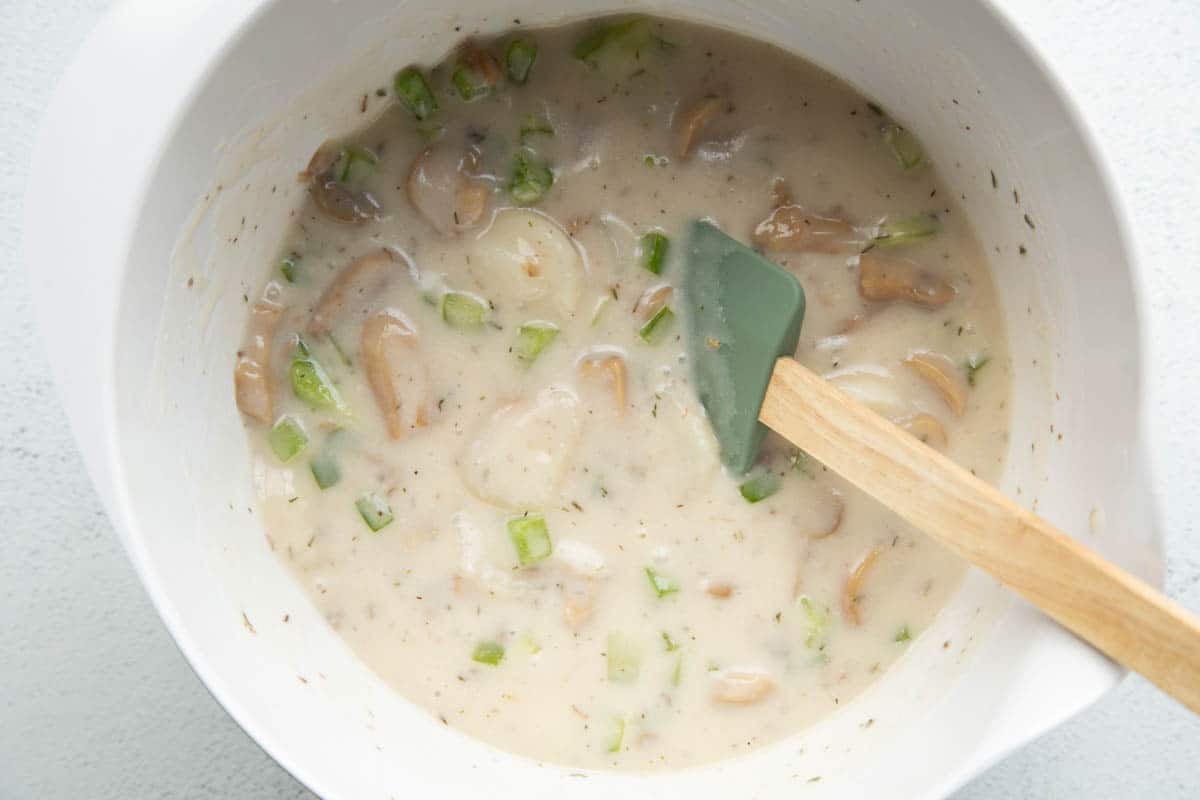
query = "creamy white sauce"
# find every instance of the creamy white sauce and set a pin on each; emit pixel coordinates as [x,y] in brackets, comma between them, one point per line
[756,636]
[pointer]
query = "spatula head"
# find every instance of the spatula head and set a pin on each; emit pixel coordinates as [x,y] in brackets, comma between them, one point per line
[743,313]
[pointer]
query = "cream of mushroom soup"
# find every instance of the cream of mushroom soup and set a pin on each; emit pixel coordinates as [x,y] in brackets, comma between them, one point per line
[476,444]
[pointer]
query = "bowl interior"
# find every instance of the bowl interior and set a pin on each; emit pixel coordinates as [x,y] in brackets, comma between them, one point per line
[989,675]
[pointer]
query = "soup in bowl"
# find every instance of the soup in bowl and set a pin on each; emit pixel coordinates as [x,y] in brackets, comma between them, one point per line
[1039,261]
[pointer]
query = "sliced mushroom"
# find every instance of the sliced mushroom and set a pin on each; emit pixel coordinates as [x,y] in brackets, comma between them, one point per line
[719,589]
[578,601]
[251,376]
[781,193]
[927,428]
[443,186]
[579,557]
[883,279]
[837,513]
[873,387]
[742,686]
[476,570]
[480,62]
[852,323]
[608,367]
[519,457]
[335,199]
[395,373]
[527,256]
[852,590]
[941,373]
[690,123]
[791,228]
[360,280]
[652,300]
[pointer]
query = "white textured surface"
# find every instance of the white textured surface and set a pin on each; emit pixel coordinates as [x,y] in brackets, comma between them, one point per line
[96,702]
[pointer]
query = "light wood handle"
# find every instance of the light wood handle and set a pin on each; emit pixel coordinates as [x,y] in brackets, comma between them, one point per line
[1119,614]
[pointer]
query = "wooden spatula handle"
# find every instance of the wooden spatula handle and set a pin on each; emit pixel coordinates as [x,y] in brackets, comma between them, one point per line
[1111,609]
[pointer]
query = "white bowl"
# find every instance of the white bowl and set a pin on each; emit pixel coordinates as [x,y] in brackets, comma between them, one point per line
[166,104]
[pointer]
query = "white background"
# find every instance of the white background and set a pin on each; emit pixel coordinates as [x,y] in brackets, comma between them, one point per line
[96,702]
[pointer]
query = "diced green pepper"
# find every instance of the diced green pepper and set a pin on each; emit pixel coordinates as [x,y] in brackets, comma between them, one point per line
[431,132]
[973,365]
[519,58]
[325,470]
[469,83]
[661,584]
[533,126]
[759,487]
[355,165]
[530,538]
[905,146]
[413,92]
[816,621]
[462,310]
[287,266]
[595,42]
[374,510]
[654,251]
[311,383]
[287,438]
[906,231]
[533,338]
[618,735]
[658,325]
[528,644]
[624,659]
[531,178]
[802,462]
[491,653]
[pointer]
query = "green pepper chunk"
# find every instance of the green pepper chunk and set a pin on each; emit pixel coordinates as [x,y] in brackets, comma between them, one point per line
[311,384]
[661,584]
[618,735]
[759,487]
[906,231]
[287,266]
[413,92]
[594,43]
[287,438]
[464,311]
[490,653]
[533,338]
[816,620]
[519,58]
[973,365]
[325,470]
[533,126]
[531,178]
[624,659]
[654,251]
[658,325]
[469,83]
[374,510]
[355,164]
[530,538]
[905,146]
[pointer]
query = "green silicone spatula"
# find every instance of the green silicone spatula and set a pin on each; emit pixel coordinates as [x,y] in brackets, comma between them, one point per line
[744,315]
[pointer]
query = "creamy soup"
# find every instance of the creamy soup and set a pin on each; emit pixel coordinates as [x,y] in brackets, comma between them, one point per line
[476,443]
